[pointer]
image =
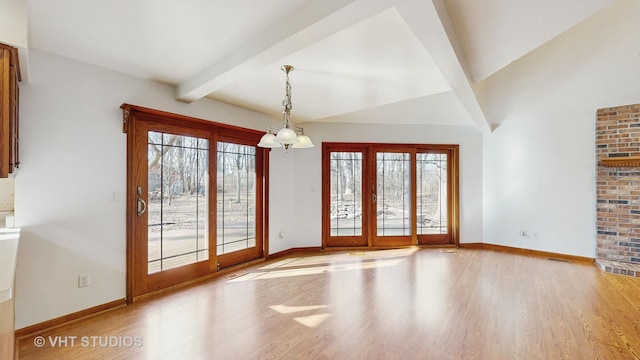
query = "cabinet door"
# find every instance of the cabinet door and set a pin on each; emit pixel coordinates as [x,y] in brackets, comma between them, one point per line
[14,90]
[5,106]
[9,77]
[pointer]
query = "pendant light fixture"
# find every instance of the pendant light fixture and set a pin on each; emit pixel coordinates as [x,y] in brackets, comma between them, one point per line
[289,135]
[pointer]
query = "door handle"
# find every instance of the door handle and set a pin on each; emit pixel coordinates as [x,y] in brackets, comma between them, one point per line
[374,198]
[141,204]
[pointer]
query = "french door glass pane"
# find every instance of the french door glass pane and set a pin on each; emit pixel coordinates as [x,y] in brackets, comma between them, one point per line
[177,210]
[346,193]
[236,191]
[393,206]
[432,193]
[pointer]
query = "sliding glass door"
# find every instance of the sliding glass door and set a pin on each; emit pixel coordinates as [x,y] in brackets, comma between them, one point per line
[195,197]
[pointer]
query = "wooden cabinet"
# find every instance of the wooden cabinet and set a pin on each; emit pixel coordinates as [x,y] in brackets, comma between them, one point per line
[9,100]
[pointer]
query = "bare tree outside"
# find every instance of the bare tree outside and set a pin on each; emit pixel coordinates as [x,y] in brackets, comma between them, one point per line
[432,193]
[346,193]
[236,194]
[393,193]
[177,200]
[393,210]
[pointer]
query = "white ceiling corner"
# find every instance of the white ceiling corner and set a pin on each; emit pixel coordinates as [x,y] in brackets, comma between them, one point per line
[494,33]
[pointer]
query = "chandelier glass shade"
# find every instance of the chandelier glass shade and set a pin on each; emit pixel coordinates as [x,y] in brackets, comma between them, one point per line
[289,135]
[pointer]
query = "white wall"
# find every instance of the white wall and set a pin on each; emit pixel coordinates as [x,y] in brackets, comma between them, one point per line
[14,23]
[73,156]
[539,164]
[539,177]
[282,205]
[308,184]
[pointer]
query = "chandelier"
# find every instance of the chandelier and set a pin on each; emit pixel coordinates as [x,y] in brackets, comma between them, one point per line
[289,135]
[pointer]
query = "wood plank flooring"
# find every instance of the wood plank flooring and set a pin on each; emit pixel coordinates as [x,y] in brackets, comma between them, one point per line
[388,304]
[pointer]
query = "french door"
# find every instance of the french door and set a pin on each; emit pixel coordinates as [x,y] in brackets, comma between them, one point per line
[381,195]
[195,199]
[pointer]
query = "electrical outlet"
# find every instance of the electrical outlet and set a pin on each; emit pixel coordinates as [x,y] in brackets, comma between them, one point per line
[84,280]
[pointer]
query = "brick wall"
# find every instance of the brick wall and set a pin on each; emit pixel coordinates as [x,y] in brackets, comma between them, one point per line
[618,190]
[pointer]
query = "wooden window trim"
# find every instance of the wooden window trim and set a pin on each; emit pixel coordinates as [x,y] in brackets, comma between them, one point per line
[327,240]
[369,180]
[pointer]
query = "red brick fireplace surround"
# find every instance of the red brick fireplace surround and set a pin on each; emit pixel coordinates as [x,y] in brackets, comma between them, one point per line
[618,189]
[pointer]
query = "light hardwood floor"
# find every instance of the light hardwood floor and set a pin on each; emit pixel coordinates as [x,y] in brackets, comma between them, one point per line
[389,304]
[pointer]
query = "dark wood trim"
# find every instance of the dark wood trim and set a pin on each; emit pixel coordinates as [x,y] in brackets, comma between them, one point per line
[294,251]
[177,119]
[66,319]
[5,98]
[126,109]
[15,60]
[391,146]
[130,214]
[471,245]
[620,161]
[527,252]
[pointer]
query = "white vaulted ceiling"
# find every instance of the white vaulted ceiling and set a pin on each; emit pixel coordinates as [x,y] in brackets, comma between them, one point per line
[363,61]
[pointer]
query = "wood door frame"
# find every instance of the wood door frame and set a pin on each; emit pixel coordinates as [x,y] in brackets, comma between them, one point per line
[135,120]
[327,239]
[370,179]
[453,197]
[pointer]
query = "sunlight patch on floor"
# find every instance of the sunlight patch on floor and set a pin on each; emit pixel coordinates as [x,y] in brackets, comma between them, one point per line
[341,257]
[318,269]
[284,309]
[312,320]
[450,251]
[308,320]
